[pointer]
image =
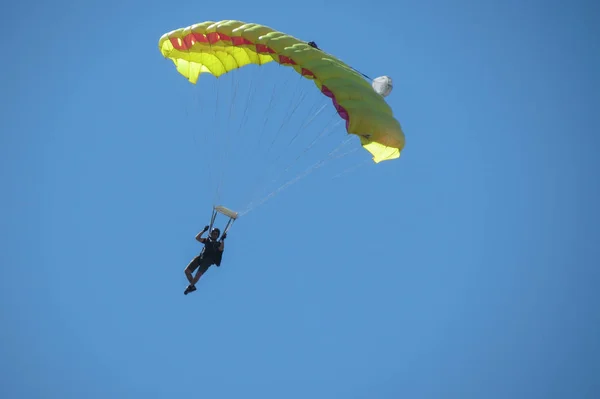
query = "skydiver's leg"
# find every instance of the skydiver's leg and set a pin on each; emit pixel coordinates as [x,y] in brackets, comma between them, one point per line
[204,265]
[193,265]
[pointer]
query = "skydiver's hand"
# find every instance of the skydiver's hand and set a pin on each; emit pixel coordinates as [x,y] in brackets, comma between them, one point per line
[205,228]
[224,236]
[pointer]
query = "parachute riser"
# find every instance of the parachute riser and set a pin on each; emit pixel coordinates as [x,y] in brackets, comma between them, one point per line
[224,211]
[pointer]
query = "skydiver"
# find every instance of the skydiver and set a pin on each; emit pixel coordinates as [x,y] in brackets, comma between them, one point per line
[211,254]
[313,44]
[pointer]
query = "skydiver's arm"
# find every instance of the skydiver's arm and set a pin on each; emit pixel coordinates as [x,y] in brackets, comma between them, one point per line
[222,246]
[199,235]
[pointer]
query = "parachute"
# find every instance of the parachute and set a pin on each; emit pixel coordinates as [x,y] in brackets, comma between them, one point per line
[217,48]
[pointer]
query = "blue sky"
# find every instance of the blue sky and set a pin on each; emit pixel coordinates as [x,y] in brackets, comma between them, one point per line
[468,268]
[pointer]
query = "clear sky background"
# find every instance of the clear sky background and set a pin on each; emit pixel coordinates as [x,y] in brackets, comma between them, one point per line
[468,268]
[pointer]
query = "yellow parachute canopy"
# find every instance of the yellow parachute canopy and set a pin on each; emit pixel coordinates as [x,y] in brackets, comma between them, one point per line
[219,47]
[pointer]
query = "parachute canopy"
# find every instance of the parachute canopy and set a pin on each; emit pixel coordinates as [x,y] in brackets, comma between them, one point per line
[220,47]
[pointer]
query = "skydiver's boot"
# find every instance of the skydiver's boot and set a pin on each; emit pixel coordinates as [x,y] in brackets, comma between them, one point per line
[189,288]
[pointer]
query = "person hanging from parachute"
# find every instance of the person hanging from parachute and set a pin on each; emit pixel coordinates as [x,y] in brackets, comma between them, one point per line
[212,253]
